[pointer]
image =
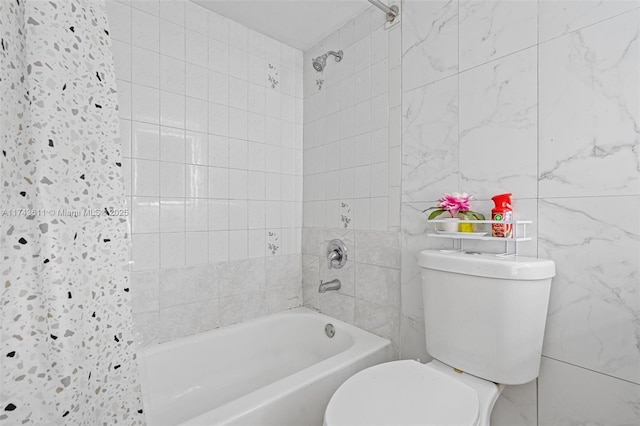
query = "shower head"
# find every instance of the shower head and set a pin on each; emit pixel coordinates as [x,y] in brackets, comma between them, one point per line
[321,61]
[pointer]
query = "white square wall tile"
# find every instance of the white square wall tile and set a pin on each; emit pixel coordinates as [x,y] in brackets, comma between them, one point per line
[145,104]
[172,110]
[218,151]
[145,178]
[146,251]
[145,215]
[257,245]
[218,246]
[172,144]
[218,56]
[125,137]
[197,148]
[379,180]
[144,30]
[172,214]
[238,35]
[256,185]
[197,48]
[196,214]
[218,182]
[238,184]
[238,63]
[145,140]
[172,250]
[218,215]
[238,244]
[218,88]
[197,181]
[172,40]
[173,11]
[122,59]
[218,119]
[172,75]
[218,27]
[119,16]
[197,81]
[379,217]
[172,179]
[124,99]
[238,214]
[145,67]
[196,115]
[197,248]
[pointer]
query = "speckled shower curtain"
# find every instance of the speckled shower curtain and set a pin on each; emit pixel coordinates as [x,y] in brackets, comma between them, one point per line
[67,348]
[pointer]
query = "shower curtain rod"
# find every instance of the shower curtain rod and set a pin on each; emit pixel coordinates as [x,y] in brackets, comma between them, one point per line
[391,12]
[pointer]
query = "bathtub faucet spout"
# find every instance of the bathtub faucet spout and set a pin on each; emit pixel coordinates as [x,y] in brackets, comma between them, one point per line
[329,285]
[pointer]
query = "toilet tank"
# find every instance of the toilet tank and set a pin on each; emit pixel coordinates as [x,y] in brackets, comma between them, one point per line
[485,315]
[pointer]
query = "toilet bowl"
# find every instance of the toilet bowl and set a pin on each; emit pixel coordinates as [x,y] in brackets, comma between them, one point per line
[484,315]
[408,393]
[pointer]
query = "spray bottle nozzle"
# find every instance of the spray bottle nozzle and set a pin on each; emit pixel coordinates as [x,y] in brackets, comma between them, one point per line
[502,200]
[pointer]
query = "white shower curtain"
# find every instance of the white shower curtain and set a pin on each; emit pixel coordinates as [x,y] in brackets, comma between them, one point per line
[67,347]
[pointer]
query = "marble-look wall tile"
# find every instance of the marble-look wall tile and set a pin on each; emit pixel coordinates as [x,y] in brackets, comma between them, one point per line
[185,320]
[145,288]
[186,285]
[242,276]
[378,284]
[498,126]
[593,310]
[492,29]
[413,343]
[430,113]
[338,305]
[378,248]
[283,271]
[378,319]
[283,282]
[242,307]
[146,328]
[569,395]
[516,406]
[589,85]
[429,41]
[310,280]
[558,17]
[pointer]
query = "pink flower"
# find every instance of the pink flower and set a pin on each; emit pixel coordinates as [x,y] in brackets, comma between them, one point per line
[455,202]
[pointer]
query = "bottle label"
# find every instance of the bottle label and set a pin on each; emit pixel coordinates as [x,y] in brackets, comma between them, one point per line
[501,230]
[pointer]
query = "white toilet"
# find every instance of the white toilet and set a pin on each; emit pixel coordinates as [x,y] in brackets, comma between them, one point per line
[484,324]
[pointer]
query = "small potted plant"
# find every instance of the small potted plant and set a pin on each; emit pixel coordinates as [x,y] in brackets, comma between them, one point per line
[456,206]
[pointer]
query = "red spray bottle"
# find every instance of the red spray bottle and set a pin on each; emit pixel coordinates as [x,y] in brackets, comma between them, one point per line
[502,212]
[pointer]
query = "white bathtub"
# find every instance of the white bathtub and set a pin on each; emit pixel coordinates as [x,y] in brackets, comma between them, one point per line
[276,370]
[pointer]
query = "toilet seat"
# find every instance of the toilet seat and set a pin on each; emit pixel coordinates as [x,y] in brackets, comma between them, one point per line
[403,393]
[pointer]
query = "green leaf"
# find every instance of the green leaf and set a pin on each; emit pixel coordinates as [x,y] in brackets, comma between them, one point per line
[431,208]
[435,213]
[469,215]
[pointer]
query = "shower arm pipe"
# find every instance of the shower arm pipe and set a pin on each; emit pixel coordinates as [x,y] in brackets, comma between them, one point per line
[391,12]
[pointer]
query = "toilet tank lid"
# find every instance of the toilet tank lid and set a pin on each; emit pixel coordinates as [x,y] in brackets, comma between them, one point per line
[487,265]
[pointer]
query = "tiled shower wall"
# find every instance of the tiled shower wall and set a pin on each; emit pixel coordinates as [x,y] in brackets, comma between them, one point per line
[211,117]
[539,99]
[352,174]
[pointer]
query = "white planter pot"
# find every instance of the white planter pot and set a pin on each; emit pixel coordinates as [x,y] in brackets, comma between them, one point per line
[451,225]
